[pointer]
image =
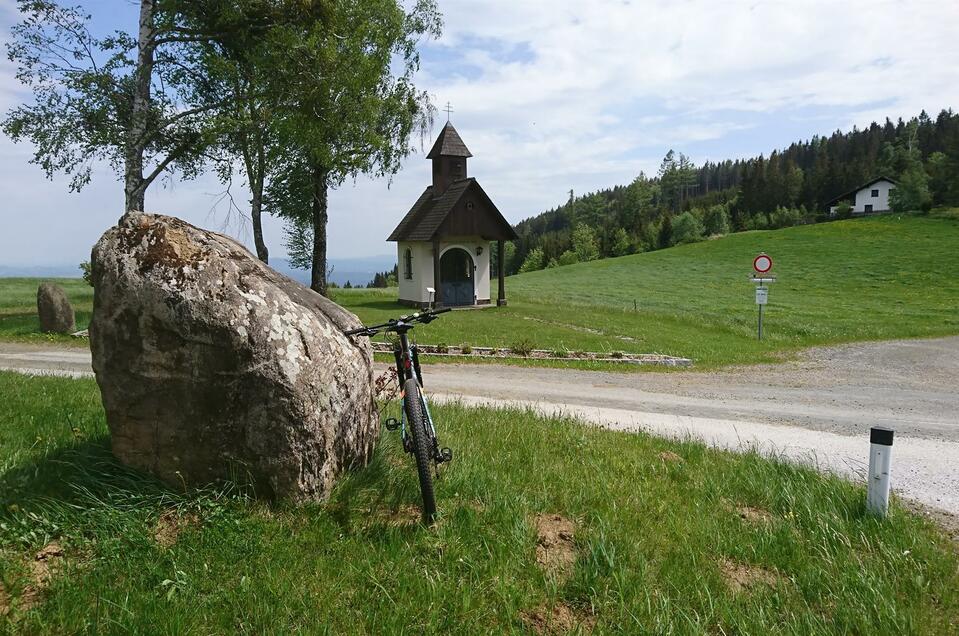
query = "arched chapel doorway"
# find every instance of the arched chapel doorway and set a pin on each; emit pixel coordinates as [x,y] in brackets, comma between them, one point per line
[457,277]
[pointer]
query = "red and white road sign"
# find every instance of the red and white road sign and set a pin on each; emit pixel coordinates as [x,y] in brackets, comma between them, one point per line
[762,263]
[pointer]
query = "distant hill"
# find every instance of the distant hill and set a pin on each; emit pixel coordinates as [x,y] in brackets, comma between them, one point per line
[359,271]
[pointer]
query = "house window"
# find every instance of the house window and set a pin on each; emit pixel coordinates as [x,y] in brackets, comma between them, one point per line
[408,264]
[869,207]
[875,193]
[457,169]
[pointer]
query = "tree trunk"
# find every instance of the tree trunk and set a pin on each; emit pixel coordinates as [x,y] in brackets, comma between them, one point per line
[256,175]
[320,188]
[134,185]
[256,213]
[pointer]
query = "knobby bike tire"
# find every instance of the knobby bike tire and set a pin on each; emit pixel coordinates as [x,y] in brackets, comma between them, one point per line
[422,448]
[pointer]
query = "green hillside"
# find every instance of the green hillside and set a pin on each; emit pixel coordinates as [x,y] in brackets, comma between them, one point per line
[863,279]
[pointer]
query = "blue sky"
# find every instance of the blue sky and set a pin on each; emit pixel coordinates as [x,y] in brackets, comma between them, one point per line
[558,95]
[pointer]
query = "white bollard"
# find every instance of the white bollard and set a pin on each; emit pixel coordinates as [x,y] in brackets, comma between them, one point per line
[880,461]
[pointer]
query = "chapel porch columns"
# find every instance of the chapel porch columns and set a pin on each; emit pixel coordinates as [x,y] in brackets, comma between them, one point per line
[500,274]
[438,297]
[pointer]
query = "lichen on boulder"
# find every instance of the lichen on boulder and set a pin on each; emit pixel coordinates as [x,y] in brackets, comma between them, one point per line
[213,366]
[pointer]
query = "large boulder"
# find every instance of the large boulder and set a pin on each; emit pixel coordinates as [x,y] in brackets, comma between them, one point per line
[213,366]
[54,309]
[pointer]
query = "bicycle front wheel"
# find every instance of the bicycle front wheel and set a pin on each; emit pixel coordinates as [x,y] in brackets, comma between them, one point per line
[422,445]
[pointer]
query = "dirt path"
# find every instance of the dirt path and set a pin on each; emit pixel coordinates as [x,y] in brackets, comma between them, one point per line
[816,409]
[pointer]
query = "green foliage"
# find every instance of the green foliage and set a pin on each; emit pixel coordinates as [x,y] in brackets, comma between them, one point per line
[912,192]
[665,236]
[686,229]
[784,217]
[568,258]
[87,272]
[716,220]
[523,347]
[584,243]
[620,244]
[466,349]
[552,263]
[844,210]
[533,262]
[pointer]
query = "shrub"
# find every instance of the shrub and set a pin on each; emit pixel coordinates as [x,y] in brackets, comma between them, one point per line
[523,347]
[442,348]
[466,349]
[687,229]
[785,217]
[844,210]
[584,243]
[87,272]
[533,262]
[716,220]
[568,258]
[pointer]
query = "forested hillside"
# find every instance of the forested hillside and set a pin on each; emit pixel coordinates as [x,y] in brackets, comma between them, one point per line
[685,203]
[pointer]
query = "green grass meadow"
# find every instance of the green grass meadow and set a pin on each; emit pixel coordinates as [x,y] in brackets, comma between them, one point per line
[652,532]
[18,309]
[875,278]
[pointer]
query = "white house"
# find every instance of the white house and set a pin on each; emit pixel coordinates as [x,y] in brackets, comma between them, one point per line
[443,242]
[868,198]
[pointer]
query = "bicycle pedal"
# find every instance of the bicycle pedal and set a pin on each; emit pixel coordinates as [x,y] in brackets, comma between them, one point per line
[391,423]
[445,455]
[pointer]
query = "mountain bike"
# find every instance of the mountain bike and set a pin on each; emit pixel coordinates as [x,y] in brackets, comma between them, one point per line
[416,423]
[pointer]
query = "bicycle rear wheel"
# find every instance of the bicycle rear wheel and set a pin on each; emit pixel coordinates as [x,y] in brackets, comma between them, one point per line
[422,445]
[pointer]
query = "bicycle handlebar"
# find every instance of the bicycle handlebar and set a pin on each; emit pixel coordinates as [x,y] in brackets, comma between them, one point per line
[392,324]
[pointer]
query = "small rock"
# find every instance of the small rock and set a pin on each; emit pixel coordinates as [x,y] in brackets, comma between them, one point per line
[54,309]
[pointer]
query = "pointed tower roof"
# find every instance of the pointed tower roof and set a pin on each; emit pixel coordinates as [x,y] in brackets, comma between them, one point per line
[449,144]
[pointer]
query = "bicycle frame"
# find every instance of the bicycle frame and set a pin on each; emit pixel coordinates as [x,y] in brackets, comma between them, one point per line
[408,363]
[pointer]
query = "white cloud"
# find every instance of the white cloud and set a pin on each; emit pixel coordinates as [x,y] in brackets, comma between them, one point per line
[560,94]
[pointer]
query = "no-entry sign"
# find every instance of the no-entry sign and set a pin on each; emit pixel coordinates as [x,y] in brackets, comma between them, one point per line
[762,263]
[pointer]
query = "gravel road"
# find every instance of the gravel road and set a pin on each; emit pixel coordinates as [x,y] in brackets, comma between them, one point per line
[816,409]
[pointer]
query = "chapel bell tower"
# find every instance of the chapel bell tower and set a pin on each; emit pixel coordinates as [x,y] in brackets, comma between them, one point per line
[449,155]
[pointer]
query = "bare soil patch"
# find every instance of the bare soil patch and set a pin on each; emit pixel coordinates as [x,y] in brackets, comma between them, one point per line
[742,577]
[670,457]
[559,619]
[171,524]
[755,516]
[4,601]
[46,563]
[406,515]
[555,547]
[947,521]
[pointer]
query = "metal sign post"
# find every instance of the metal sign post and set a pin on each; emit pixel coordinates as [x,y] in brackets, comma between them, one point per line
[762,264]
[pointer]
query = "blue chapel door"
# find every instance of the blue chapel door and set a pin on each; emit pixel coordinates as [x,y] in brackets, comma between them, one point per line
[456,277]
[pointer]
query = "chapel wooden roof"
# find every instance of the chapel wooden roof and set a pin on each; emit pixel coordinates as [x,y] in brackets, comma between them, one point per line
[447,215]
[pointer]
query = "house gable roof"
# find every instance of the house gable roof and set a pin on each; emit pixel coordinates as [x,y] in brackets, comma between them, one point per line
[848,194]
[449,144]
[429,216]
